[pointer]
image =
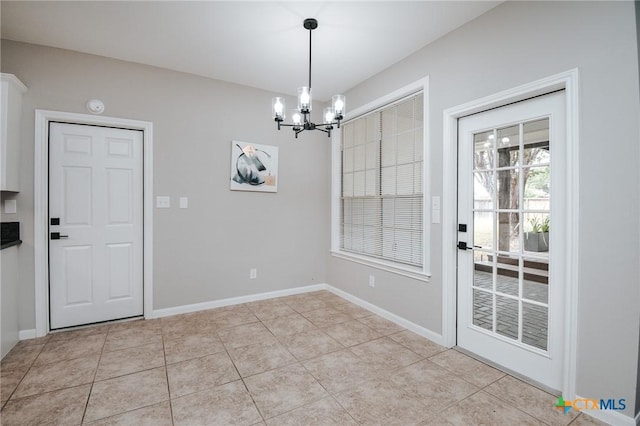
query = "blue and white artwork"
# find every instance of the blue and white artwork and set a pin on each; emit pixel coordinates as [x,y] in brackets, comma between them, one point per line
[254,167]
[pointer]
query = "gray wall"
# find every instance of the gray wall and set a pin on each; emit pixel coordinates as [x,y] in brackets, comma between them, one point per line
[203,253]
[513,44]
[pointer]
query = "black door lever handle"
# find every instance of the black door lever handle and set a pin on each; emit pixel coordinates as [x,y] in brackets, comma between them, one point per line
[463,246]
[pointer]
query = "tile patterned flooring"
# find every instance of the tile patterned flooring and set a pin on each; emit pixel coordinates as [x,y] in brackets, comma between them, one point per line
[308,359]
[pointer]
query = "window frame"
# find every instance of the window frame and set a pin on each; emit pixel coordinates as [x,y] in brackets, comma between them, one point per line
[419,273]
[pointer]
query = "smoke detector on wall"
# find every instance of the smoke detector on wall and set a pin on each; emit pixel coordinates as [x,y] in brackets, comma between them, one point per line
[95,106]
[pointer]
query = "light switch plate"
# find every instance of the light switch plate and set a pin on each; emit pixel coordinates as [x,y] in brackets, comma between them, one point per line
[10,206]
[184,203]
[435,209]
[163,202]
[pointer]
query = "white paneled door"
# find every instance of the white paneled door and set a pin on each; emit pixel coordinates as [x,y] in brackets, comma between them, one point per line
[95,224]
[511,255]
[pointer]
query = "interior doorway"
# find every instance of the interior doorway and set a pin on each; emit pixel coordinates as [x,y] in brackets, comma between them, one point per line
[511,196]
[567,82]
[41,206]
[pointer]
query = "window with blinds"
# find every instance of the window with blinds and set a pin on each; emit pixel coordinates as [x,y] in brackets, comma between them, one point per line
[382,178]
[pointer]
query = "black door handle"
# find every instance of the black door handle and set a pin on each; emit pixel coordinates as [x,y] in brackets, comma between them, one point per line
[463,246]
[57,236]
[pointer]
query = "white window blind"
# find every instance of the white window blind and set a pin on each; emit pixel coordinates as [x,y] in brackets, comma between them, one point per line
[382,176]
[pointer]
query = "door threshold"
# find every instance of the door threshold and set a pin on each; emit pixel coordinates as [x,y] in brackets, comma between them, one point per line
[518,376]
[95,324]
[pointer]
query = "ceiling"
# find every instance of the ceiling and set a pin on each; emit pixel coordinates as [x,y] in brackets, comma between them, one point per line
[259,44]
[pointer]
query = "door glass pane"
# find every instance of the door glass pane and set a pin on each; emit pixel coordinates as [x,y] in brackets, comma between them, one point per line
[507,317]
[508,144]
[507,277]
[482,270]
[508,189]
[535,325]
[483,229]
[483,309]
[483,190]
[536,233]
[483,157]
[536,188]
[535,285]
[536,142]
[508,230]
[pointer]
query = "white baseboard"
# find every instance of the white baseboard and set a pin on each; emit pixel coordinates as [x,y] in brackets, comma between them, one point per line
[424,332]
[26,334]
[185,309]
[610,417]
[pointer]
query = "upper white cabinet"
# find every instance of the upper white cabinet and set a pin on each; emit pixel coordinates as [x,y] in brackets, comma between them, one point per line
[10,111]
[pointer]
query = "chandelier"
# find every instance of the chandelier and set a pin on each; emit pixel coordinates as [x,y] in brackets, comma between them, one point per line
[300,116]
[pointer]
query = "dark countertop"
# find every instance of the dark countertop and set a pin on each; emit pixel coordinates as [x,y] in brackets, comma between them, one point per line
[10,234]
[10,244]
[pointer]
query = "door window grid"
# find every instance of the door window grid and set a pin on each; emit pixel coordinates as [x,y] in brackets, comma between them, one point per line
[382,175]
[503,300]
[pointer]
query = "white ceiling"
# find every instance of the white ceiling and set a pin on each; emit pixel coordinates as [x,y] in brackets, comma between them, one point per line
[259,44]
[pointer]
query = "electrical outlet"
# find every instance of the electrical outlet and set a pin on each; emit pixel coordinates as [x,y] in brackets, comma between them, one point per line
[253,273]
[372,281]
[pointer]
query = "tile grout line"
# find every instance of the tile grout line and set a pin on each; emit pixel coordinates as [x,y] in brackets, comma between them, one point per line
[86,405]
[236,367]
[166,372]
[23,377]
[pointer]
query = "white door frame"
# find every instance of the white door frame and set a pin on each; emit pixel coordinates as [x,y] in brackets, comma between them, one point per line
[569,81]
[41,204]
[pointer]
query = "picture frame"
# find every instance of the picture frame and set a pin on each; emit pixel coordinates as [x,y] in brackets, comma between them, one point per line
[254,167]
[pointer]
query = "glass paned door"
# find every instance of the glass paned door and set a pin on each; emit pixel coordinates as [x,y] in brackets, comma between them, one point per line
[509,305]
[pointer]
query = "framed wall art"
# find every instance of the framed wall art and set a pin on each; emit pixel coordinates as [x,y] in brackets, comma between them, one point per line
[254,167]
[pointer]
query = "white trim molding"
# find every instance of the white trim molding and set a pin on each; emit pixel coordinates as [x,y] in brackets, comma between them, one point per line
[41,204]
[569,82]
[185,309]
[26,334]
[196,307]
[411,326]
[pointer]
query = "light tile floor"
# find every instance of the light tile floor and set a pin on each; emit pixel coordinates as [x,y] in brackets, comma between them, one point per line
[310,359]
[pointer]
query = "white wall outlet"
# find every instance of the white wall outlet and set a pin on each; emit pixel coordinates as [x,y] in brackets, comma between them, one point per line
[253,273]
[163,202]
[372,281]
[184,203]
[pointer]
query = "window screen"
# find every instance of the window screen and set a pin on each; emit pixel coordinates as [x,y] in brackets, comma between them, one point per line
[382,179]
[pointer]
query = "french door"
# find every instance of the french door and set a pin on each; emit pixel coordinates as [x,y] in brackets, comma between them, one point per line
[95,223]
[511,192]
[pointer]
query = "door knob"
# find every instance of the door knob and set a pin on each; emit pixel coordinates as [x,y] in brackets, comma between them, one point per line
[57,236]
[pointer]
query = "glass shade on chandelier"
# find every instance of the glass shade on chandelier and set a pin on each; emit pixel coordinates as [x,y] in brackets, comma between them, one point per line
[300,117]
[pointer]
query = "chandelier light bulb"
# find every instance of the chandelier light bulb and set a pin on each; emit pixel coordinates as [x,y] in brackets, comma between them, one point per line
[296,118]
[304,99]
[278,104]
[337,102]
[328,115]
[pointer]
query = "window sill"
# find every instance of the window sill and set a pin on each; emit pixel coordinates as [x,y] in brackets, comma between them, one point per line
[408,271]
